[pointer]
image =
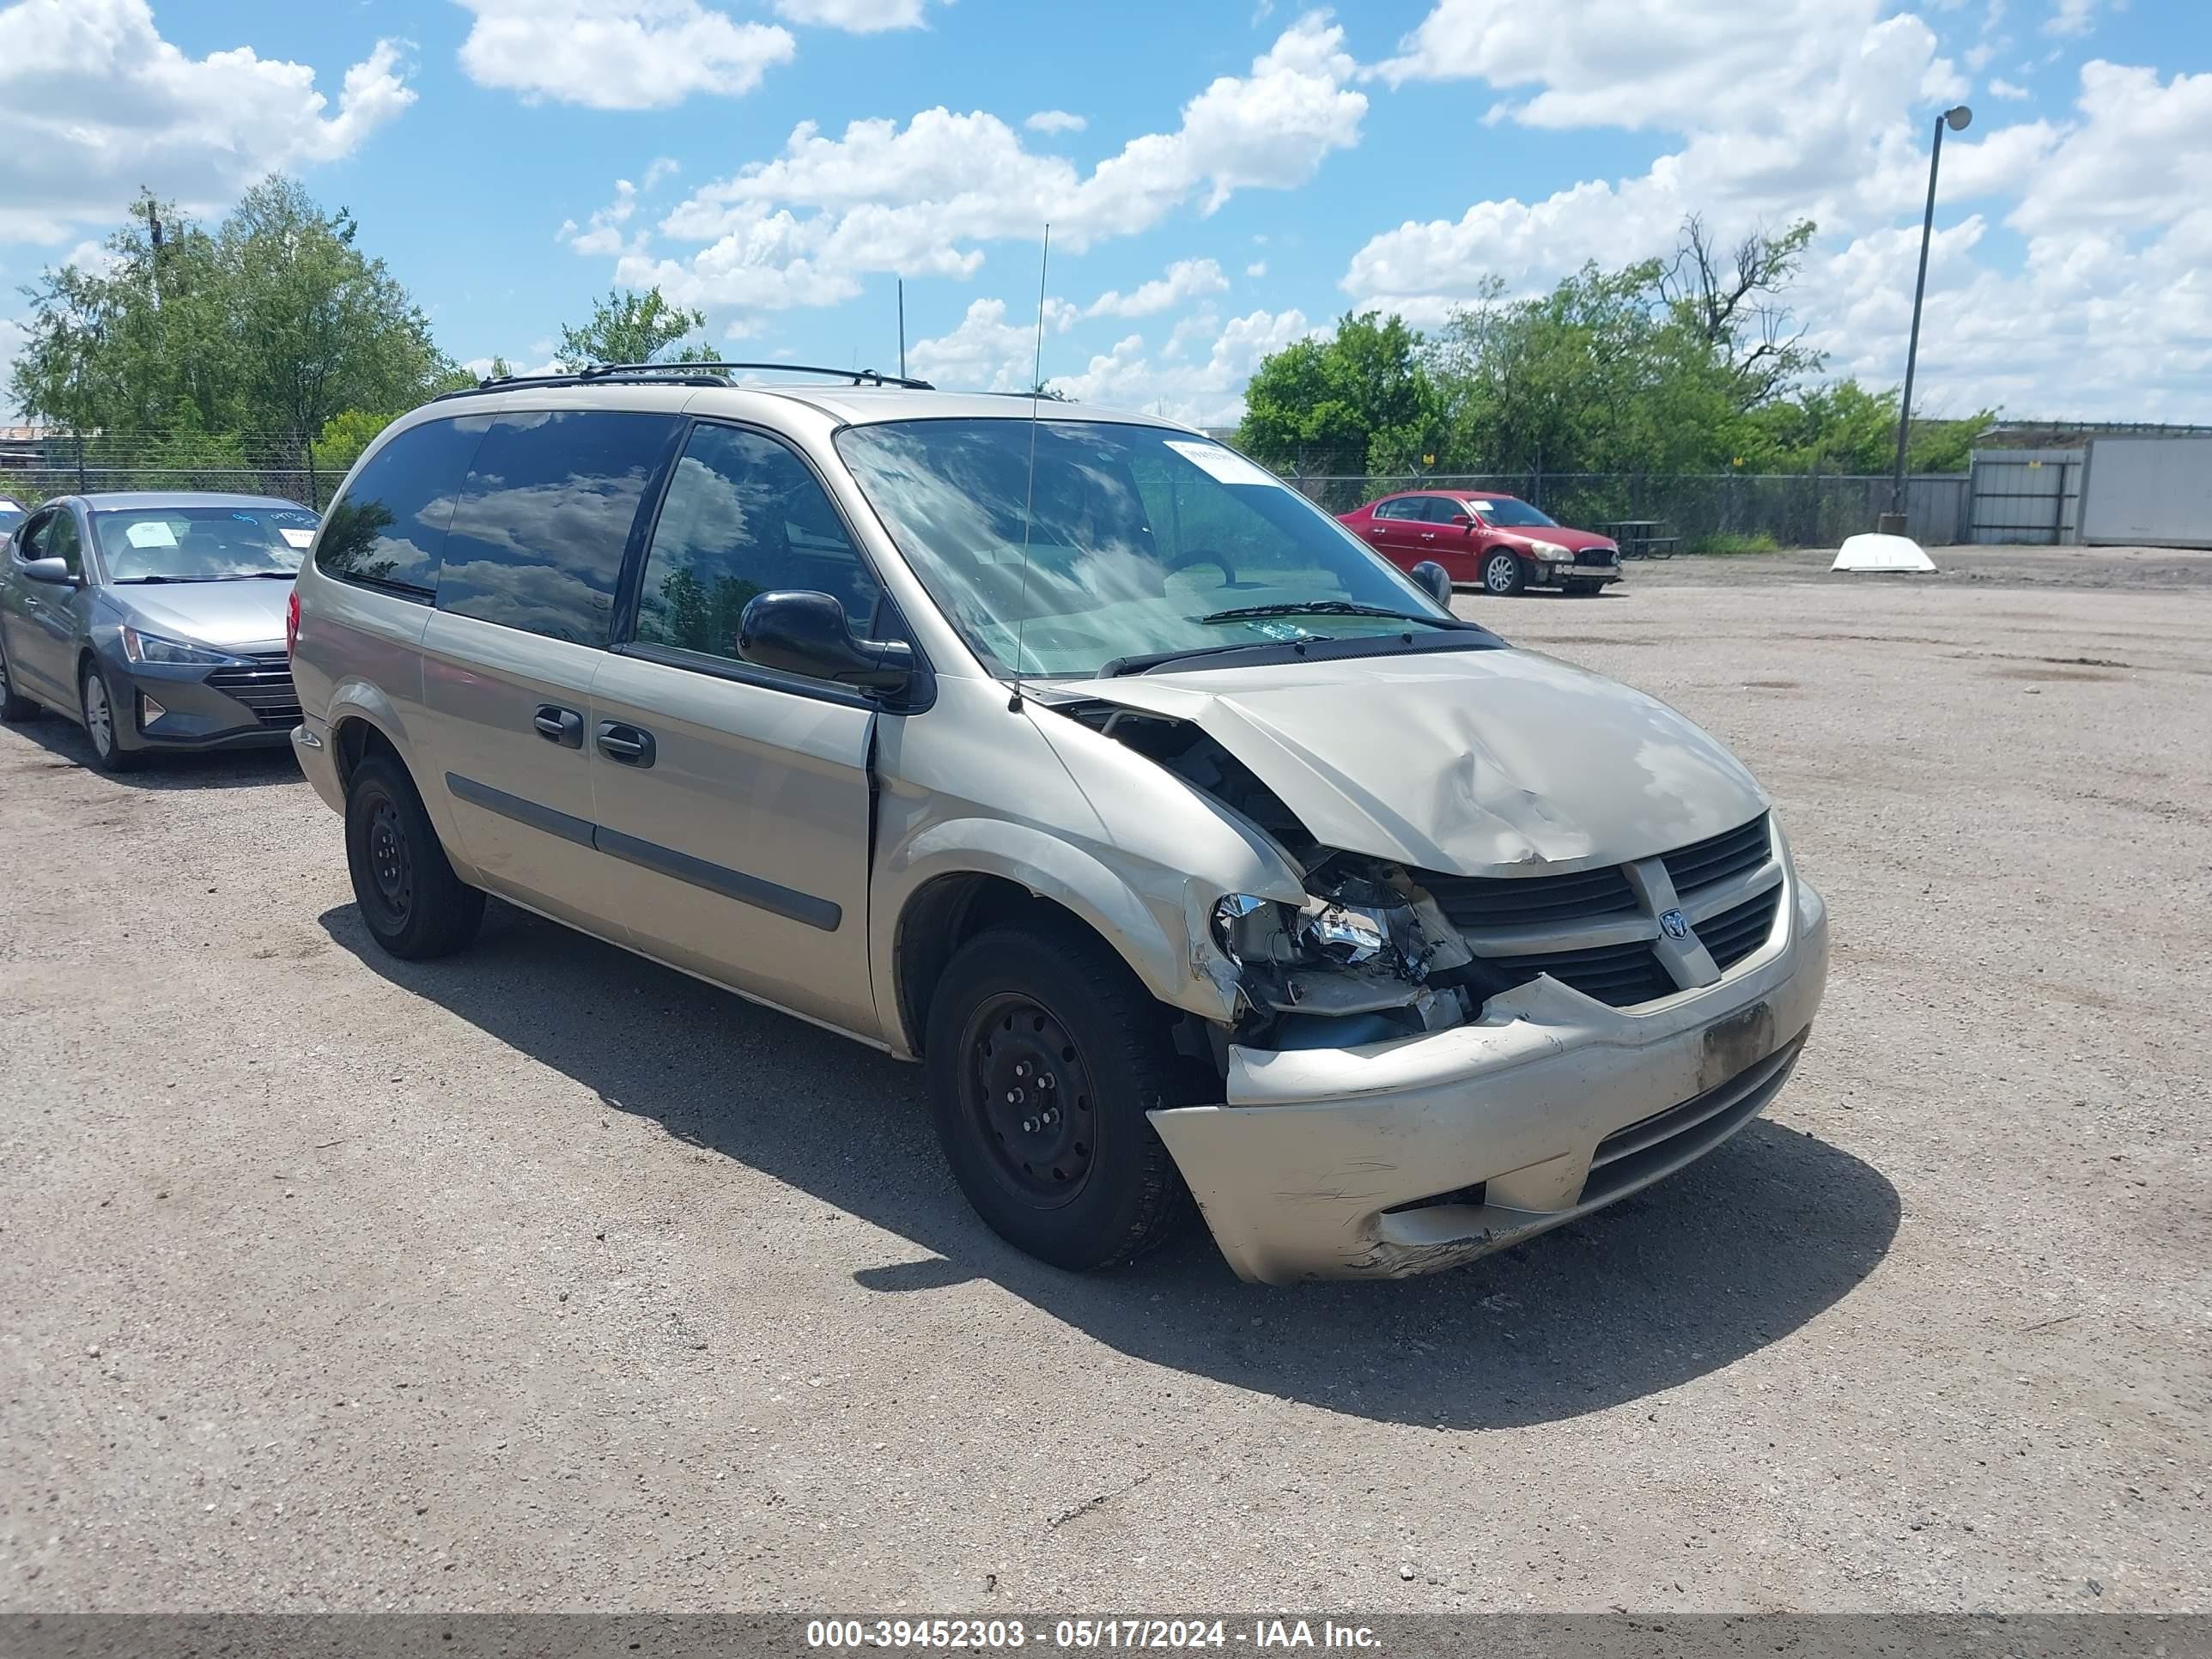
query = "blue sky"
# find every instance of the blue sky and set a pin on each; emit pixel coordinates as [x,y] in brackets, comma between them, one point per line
[1222,177]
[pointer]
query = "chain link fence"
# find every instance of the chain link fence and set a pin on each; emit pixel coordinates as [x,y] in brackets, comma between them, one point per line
[1704,512]
[32,469]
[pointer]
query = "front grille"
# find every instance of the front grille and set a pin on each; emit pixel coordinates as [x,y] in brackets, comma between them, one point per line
[1620,975]
[1735,933]
[1473,903]
[266,687]
[1702,863]
[1629,1158]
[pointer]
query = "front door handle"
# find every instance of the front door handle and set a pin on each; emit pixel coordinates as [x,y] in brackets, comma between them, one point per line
[629,745]
[558,725]
[1428,535]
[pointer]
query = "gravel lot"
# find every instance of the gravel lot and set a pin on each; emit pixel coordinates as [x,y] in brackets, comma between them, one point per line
[543,1278]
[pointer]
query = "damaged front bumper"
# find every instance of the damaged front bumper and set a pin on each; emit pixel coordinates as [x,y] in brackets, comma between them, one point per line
[1415,1155]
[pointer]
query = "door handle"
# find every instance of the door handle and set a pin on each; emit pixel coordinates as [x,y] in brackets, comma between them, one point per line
[1428,535]
[1375,529]
[558,725]
[629,745]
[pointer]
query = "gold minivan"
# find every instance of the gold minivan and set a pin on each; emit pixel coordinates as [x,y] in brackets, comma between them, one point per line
[1194,851]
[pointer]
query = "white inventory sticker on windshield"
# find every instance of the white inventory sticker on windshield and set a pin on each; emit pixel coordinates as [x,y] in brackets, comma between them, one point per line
[1215,462]
[301,539]
[151,532]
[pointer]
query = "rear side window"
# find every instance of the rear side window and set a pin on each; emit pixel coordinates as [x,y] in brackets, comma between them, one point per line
[1409,508]
[388,529]
[537,541]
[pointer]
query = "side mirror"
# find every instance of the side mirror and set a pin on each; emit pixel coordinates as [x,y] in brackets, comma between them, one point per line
[1438,580]
[806,633]
[54,571]
[1463,520]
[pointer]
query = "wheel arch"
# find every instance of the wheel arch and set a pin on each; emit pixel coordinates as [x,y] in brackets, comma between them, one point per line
[1015,872]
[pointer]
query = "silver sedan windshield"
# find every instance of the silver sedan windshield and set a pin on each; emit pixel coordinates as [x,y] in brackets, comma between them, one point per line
[1122,542]
[202,543]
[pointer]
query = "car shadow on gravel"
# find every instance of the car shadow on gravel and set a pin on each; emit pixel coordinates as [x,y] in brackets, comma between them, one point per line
[67,745]
[1733,1254]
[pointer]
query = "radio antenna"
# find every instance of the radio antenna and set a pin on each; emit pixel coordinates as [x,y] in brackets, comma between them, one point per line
[902,297]
[1029,494]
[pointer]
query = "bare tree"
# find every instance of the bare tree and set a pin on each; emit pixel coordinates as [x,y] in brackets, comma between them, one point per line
[1733,300]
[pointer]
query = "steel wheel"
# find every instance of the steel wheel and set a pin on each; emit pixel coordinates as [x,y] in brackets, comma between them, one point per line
[1030,1098]
[1501,574]
[390,864]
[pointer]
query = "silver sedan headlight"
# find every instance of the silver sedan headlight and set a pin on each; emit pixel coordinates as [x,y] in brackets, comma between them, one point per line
[155,649]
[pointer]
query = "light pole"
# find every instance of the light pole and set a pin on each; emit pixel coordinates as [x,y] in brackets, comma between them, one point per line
[1956,118]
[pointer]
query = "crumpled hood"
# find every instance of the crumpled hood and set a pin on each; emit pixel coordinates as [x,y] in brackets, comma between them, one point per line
[1469,763]
[230,615]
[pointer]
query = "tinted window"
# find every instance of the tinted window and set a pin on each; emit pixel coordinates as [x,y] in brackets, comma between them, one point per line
[537,540]
[744,516]
[389,527]
[1400,509]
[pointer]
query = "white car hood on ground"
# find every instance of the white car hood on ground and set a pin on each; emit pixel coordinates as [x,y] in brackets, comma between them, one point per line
[1470,762]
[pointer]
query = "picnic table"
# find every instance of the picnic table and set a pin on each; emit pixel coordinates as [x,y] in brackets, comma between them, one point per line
[1642,538]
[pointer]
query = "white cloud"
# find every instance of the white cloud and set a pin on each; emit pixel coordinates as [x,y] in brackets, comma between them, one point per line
[93,103]
[1785,107]
[1208,393]
[604,233]
[987,351]
[1185,279]
[2001,88]
[853,16]
[1055,120]
[798,229]
[2071,17]
[664,166]
[1257,268]
[618,54]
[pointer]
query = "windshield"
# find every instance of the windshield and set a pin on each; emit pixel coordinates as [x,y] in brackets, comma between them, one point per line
[203,544]
[1142,541]
[1506,511]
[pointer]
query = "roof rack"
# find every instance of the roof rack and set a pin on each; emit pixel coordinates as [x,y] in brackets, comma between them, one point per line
[699,374]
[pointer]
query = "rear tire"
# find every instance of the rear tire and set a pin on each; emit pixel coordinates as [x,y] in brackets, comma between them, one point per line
[1502,575]
[13,707]
[413,904]
[103,717]
[1044,1053]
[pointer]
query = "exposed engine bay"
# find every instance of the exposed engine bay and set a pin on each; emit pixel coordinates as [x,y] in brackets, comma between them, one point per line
[1368,957]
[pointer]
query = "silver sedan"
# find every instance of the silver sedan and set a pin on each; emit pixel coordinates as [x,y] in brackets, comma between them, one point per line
[154,621]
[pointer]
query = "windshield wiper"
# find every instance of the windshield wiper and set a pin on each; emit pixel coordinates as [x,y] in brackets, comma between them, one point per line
[140,582]
[1329,608]
[255,576]
[1117,666]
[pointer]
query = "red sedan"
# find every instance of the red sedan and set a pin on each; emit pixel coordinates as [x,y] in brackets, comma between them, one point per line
[1498,542]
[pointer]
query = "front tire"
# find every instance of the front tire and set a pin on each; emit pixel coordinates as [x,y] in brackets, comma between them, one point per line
[1502,575]
[101,714]
[1044,1053]
[1584,588]
[413,904]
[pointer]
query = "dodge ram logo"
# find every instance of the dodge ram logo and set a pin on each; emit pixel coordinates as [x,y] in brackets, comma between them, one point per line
[1674,924]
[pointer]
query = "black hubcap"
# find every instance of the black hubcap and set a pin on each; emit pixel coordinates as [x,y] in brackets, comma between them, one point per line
[389,864]
[1030,1097]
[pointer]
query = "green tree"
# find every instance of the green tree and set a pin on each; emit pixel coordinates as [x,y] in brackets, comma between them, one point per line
[275,321]
[632,328]
[1732,302]
[1359,401]
[331,330]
